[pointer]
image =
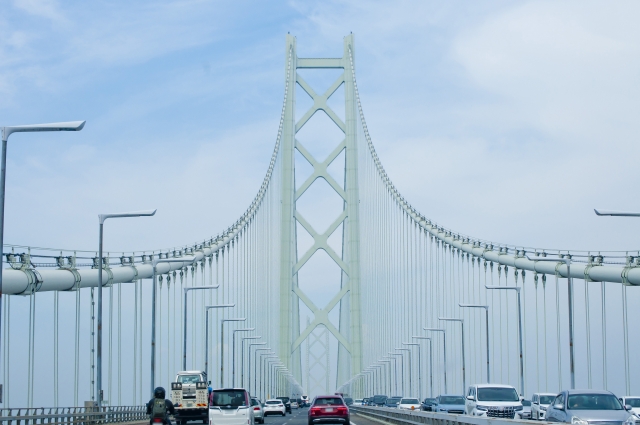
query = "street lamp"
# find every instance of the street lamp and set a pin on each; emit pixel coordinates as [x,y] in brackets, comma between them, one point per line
[616,213]
[233,353]
[401,369]
[242,357]
[257,349]
[395,371]
[386,361]
[486,308]
[206,337]
[517,289]
[430,363]
[154,265]
[184,337]
[444,345]
[408,366]
[567,261]
[415,344]
[260,361]
[6,132]
[451,319]
[101,219]
[222,346]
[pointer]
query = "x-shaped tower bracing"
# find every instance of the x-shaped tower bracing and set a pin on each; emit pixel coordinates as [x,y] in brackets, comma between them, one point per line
[348,335]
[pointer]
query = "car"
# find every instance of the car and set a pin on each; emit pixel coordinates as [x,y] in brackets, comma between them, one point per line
[392,402]
[584,407]
[409,403]
[427,404]
[359,402]
[274,406]
[305,400]
[348,401]
[453,404]
[634,403]
[525,413]
[258,410]
[493,401]
[294,404]
[328,409]
[539,404]
[378,400]
[230,406]
[287,403]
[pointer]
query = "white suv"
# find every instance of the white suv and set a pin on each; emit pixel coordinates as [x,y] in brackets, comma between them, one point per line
[230,406]
[539,404]
[492,400]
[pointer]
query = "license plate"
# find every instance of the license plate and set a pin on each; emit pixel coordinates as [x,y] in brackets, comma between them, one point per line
[329,409]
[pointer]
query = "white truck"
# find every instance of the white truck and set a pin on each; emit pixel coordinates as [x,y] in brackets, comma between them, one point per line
[190,397]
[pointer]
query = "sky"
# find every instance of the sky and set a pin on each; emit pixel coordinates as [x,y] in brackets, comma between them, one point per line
[506,121]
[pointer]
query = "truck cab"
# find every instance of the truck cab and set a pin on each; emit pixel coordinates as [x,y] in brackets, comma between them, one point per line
[189,395]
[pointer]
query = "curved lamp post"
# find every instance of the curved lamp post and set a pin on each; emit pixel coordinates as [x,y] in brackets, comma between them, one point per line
[430,362]
[451,319]
[486,310]
[206,337]
[444,346]
[222,346]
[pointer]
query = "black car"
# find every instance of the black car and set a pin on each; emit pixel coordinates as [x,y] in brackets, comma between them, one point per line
[427,404]
[378,400]
[348,401]
[287,403]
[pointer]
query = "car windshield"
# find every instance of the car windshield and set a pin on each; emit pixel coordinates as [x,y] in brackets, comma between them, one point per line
[451,400]
[633,402]
[409,401]
[526,402]
[393,400]
[228,398]
[333,401]
[593,402]
[189,379]
[274,402]
[285,399]
[379,398]
[546,399]
[497,394]
[429,400]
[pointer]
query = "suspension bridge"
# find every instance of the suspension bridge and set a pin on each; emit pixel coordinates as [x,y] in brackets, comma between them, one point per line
[404,305]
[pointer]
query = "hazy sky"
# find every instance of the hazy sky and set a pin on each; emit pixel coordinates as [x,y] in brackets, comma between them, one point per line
[507,121]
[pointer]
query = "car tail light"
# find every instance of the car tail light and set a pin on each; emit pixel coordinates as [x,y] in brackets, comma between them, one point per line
[342,410]
[256,408]
[157,420]
[314,411]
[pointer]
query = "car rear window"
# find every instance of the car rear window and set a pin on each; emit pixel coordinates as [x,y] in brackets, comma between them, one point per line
[228,398]
[273,402]
[254,402]
[328,401]
[409,401]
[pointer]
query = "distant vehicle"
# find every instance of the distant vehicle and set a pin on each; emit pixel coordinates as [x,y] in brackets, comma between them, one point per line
[584,407]
[305,400]
[525,413]
[539,404]
[328,409]
[392,402]
[294,404]
[493,401]
[359,402]
[258,410]
[409,404]
[378,400]
[427,404]
[453,404]
[634,402]
[274,406]
[230,406]
[287,403]
[348,401]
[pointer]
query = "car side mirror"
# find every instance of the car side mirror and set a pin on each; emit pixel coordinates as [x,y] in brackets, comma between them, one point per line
[535,402]
[558,406]
[627,407]
[209,383]
[471,398]
[521,399]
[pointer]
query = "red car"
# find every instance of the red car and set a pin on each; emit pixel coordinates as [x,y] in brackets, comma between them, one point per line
[328,409]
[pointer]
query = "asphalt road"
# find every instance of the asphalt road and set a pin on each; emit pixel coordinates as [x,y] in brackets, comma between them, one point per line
[299,417]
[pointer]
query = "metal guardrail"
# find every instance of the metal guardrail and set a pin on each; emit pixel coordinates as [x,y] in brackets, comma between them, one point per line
[73,415]
[417,417]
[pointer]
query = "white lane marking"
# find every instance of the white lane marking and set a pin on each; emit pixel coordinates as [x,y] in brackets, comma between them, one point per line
[352,423]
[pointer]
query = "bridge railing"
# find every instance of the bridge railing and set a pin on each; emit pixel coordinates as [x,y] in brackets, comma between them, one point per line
[72,415]
[417,417]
